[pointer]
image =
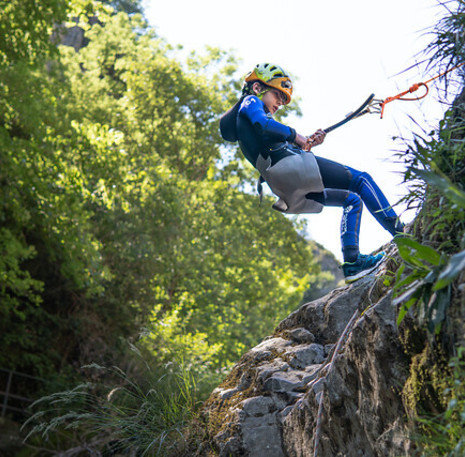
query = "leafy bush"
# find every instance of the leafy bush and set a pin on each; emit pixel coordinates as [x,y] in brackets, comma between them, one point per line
[430,272]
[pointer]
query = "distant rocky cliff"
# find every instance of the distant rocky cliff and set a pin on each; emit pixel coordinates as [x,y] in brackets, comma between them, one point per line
[328,265]
[328,382]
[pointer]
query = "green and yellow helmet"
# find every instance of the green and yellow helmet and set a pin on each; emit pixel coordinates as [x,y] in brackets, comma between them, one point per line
[272,76]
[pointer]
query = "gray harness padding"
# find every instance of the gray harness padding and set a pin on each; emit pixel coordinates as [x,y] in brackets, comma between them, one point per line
[291,178]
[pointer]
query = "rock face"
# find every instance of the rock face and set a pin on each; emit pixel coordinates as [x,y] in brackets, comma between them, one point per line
[327,383]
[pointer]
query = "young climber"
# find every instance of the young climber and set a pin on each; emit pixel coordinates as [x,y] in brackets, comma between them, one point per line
[304,183]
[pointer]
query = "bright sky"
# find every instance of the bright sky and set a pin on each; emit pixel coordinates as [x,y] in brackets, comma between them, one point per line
[340,52]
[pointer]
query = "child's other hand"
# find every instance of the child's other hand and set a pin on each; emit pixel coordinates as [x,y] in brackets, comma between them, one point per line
[303,142]
[318,137]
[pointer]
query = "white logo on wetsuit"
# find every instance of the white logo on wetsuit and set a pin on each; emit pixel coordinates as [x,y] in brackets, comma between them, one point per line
[345,215]
[249,101]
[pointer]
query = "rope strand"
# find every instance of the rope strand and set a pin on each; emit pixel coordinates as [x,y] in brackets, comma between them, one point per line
[414,88]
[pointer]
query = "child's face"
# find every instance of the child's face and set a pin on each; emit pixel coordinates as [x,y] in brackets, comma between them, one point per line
[273,99]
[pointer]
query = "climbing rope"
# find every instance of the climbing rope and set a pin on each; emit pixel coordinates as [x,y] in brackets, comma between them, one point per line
[412,89]
[373,105]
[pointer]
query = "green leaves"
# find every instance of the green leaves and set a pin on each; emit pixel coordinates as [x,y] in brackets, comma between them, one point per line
[425,283]
[430,272]
[417,254]
[443,183]
[25,29]
[453,268]
[113,174]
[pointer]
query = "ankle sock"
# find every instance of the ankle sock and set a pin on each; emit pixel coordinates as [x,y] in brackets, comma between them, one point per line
[350,253]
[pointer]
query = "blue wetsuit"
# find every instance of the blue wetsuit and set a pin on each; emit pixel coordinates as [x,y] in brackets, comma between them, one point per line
[258,133]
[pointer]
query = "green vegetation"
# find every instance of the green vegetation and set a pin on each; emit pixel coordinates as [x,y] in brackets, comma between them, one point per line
[443,433]
[145,413]
[121,210]
[429,283]
[124,217]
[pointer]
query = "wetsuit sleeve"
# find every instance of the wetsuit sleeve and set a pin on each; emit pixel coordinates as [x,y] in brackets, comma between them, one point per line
[253,109]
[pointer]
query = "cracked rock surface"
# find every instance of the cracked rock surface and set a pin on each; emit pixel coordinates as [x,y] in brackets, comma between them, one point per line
[268,405]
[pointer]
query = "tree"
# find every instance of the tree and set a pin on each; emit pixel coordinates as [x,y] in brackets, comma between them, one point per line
[121,213]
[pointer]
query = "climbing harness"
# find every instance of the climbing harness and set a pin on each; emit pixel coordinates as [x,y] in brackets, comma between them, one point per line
[376,106]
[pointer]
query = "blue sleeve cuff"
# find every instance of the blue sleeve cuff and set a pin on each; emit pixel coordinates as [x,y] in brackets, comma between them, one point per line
[292,136]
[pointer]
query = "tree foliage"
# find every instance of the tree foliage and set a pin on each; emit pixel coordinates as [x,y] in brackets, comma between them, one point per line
[118,208]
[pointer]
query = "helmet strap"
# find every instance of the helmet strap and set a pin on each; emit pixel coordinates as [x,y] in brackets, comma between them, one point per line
[262,93]
[247,89]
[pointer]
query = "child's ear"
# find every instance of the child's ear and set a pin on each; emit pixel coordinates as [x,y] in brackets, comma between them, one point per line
[257,87]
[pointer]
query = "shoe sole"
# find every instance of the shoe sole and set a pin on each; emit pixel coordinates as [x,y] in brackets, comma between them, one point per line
[362,273]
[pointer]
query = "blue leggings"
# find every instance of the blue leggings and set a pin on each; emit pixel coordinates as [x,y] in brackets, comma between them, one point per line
[347,187]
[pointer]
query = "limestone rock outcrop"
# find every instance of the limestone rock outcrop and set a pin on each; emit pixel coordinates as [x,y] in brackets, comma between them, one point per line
[327,383]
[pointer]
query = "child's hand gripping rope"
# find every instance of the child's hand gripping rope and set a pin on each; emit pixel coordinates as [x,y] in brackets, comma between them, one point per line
[317,138]
[306,143]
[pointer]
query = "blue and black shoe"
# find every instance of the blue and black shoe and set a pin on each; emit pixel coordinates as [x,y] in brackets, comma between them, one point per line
[361,267]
